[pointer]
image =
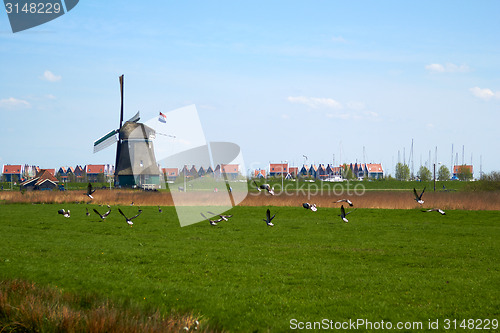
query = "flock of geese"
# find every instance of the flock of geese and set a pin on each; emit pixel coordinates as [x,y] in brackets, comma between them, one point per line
[216,218]
[90,191]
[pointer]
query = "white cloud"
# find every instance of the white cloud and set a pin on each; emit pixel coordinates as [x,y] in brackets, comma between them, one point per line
[13,103]
[447,68]
[484,93]
[285,116]
[51,77]
[315,102]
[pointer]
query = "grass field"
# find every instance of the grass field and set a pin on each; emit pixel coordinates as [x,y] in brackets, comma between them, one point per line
[391,265]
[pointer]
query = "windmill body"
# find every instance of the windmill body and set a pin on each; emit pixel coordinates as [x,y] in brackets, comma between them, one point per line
[136,164]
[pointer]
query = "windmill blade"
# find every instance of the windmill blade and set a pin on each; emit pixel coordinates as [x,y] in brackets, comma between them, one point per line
[135,118]
[105,141]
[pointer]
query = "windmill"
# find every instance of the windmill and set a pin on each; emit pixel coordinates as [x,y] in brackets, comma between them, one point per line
[135,163]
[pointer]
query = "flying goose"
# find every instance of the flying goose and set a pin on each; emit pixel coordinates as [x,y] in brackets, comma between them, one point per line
[103,216]
[440,211]
[90,191]
[212,222]
[345,200]
[312,207]
[223,217]
[269,218]
[266,187]
[129,220]
[64,213]
[343,214]
[418,198]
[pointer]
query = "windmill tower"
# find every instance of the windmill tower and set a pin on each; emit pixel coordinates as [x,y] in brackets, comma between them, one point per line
[135,164]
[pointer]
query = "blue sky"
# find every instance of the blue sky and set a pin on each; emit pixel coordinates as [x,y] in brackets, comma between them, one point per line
[282,79]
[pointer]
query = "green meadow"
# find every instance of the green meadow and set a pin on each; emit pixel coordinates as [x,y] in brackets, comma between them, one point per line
[243,276]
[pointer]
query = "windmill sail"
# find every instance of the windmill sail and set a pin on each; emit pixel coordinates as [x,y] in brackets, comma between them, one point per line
[135,118]
[105,141]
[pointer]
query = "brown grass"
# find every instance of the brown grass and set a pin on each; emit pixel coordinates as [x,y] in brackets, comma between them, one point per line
[26,307]
[387,200]
[370,199]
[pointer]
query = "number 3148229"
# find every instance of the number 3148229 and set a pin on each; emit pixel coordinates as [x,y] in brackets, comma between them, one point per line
[33,8]
[471,324]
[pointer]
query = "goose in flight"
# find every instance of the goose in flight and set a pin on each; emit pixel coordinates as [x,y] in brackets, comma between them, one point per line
[343,214]
[345,200]
[212,222]
[440,211]
[90,191]
[129,220]
[266,187]
[418,198]
[64,212]
[103,216]
[269,218]
[312,207]
[223,217]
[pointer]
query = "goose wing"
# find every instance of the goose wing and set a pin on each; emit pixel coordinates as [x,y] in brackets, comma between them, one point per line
[138,213]
[95,210]
[122,214]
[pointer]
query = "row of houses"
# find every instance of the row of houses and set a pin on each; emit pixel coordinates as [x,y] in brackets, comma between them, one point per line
[322,171]
[228,171]
[87,173]
[104,172]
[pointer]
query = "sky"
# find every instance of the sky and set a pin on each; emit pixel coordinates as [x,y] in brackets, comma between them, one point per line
[335,81]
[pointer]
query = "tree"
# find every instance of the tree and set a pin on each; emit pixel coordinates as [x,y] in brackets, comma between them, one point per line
[347,172]
[402,171]
[464,173]
[424,174]
[443,173]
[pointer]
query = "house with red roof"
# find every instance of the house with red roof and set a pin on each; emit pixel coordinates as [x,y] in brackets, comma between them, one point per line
[276,169]
[458,169]
[321,172]
[96,172]
[62,174]
[228,171]
[79,173]
[259,173]
[374,170]
[44,180]
[13,172]
[170,174]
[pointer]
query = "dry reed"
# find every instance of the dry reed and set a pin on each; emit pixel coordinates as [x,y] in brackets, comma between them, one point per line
[370,199]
